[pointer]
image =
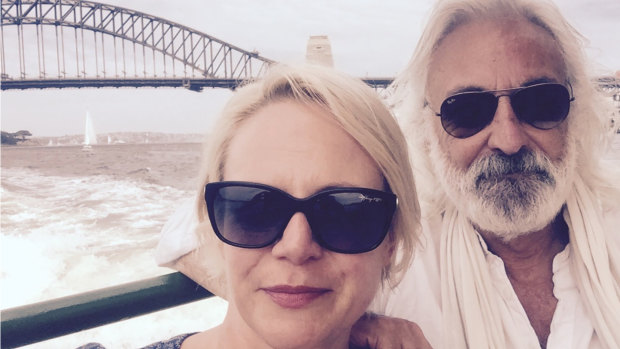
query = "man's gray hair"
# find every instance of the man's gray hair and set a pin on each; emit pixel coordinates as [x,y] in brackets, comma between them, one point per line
[469,315]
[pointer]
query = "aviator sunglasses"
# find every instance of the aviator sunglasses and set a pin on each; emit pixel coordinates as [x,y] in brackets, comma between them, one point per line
[544,106]
[344,220]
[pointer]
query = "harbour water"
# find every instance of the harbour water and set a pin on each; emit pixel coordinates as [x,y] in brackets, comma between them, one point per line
[74,221]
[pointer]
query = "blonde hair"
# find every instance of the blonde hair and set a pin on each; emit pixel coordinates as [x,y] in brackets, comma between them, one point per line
[358,110]
[468,298]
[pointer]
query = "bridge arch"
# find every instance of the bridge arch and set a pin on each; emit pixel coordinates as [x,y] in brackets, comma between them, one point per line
[127,48]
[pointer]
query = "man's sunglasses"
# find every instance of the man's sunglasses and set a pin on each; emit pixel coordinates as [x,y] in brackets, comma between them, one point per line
[544,106]
[344,220]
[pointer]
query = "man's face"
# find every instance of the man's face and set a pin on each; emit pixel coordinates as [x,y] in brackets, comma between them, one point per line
[510,178]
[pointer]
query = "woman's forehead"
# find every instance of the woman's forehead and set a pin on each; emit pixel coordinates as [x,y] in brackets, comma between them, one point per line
[299,149]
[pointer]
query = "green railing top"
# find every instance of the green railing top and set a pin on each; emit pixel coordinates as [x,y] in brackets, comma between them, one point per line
[57,317]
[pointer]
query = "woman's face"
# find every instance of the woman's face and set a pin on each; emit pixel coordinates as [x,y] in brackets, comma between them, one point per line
[295,292]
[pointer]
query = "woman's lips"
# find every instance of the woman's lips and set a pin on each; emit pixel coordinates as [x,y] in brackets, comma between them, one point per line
[294,296]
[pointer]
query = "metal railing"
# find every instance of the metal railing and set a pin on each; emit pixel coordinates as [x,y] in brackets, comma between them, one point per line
[37,322]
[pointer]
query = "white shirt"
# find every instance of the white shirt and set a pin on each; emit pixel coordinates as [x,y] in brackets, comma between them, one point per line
[418,298]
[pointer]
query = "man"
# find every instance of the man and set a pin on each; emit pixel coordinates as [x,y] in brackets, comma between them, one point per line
[521,216]
[522,249]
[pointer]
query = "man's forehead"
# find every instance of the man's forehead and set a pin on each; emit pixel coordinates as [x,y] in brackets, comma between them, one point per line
[490,54]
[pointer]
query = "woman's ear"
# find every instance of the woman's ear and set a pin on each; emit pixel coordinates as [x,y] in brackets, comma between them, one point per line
[390,250]
[387,260]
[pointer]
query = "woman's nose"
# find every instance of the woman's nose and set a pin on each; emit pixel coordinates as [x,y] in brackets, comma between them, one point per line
[507,133]
[297,244]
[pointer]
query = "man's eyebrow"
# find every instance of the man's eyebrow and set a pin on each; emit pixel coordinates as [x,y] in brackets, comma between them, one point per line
[461,89]
[474,88]
[536,81]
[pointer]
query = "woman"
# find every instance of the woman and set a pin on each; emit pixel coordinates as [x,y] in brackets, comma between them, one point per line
[307,197]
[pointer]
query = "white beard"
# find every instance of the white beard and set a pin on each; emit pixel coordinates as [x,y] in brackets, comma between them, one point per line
[508,196]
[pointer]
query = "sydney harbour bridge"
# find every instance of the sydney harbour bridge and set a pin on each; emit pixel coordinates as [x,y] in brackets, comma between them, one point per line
[73,43]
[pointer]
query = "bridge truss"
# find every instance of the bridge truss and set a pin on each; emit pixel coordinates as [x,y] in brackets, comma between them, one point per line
[74,43]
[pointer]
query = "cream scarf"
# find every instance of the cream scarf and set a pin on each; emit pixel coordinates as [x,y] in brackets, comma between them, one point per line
[472,306]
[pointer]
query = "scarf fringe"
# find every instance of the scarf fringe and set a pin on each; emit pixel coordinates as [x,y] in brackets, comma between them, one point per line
[595,266]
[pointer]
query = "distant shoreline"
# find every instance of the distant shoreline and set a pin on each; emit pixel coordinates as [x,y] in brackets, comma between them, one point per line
[170,164]
[114,138]
[34,146]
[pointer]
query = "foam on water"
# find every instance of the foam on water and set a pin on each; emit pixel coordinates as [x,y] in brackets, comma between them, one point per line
[66,235]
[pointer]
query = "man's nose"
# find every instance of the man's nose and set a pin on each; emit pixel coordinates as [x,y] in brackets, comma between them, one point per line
[297,244]
[507,133]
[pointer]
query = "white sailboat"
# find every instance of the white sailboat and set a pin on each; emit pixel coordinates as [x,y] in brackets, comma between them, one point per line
[90,137]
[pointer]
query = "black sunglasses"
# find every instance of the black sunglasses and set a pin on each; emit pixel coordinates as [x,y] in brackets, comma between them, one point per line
[544,106]
[344,220]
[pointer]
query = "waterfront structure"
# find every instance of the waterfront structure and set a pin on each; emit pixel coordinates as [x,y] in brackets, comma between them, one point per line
[319,51]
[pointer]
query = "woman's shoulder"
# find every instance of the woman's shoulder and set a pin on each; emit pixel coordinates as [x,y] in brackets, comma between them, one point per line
[172,343]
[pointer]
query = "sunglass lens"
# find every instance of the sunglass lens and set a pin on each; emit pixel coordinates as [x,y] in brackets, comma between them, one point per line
[464,115]
[249,217]
[351,222]
[543,106]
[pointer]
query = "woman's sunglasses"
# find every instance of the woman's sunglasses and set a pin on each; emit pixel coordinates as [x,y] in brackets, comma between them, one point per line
[344,220]
[544,106]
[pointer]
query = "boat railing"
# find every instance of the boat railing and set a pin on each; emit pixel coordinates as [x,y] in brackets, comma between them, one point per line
[45,320]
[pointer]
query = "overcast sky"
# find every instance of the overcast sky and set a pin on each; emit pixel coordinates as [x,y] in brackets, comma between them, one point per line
[368,38]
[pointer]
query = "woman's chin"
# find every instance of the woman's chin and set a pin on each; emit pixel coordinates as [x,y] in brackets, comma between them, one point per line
[301,331]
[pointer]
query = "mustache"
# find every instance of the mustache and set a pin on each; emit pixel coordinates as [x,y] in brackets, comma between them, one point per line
[495,167]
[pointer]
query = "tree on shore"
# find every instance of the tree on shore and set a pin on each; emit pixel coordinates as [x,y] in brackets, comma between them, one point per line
[13,138]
